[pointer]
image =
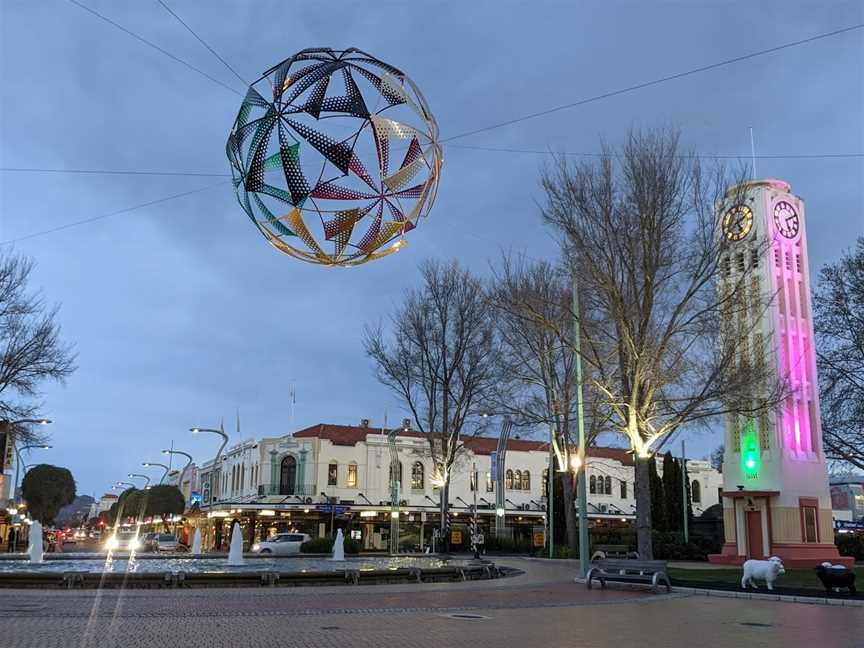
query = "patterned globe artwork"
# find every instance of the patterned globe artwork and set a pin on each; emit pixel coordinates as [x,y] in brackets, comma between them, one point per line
[335,156]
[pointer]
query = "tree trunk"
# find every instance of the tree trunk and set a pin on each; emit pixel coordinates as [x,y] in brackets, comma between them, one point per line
[643,510]
[570,514]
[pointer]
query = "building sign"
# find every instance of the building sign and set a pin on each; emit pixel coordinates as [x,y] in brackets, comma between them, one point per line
[205,489]
[196,498]
[493,459]
[456,537]
[539,538]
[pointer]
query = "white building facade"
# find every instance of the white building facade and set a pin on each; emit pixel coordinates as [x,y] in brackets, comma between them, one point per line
[330,474]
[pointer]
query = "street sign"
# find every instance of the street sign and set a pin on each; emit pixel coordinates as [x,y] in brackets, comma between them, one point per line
[331,508]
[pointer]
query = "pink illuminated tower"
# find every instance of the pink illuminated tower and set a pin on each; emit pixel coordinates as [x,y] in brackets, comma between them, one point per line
[776,500]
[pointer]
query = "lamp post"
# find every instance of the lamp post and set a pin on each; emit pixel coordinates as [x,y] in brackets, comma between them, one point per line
[20,462]
[216,468]
[6,430]
[581,487]
[139,476]
[128,484]
[150,464]
[182,472]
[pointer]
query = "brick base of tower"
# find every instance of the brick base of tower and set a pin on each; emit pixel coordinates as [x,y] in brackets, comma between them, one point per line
[793,555]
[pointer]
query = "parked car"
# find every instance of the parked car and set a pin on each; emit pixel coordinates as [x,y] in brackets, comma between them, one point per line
[168,542]
[281,544]
[123,541]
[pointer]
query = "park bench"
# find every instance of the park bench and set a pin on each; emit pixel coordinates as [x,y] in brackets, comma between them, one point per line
[612,551]
[636,571]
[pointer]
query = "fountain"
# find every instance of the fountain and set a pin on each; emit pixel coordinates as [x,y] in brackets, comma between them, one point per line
[339,547]
[196,542]
[235,554]
[35,546]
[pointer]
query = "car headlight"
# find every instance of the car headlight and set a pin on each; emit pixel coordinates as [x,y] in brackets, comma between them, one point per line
[256,547]
[112,543]
[134,544]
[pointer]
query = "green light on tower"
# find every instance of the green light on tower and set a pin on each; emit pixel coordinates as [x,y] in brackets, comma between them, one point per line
[750,457]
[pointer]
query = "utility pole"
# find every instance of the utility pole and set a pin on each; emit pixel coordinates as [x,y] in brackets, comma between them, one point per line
[684,492]
[582,491]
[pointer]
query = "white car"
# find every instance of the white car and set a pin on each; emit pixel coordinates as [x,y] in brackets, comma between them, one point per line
[281,544]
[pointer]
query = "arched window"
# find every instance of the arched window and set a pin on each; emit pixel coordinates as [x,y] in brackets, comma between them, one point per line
[623,489]
[508,480]
[288,476]
[608,485]
[517,480]
[592,485]
[351,480]
[696,492]
[417,476]
[526,480]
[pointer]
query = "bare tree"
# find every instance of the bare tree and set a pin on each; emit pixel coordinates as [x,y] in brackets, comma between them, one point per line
[839,309]
[533,309]
[32,351]
[662,319]
[440,358]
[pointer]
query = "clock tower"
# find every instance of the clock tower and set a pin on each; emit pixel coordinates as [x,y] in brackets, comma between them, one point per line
[776,500]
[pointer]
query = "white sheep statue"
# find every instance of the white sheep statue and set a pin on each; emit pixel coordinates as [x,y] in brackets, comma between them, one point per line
[767,570]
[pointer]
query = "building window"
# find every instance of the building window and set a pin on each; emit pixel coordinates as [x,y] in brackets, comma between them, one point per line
[472,481]
[417,476]
[332,474]
[287,476]
[696,492]
[592,485]
[352,476]
[810,521]
[517,480]
[508,480]
[608,485]
[489,485]
[526,481]
[623,489]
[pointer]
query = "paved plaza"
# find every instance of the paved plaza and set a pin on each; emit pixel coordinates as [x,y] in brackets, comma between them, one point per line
[543,607]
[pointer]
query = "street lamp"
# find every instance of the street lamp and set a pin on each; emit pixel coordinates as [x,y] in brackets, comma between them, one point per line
[139,476]
[150,464]
[5,427]
[129,484]
[188,463]
[216,469]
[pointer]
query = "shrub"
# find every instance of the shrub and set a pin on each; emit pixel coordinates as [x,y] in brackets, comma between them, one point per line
[325,546]
[850,544]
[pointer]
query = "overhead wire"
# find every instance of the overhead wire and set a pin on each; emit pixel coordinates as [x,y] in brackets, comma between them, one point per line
[653,82]
[134,172]
[203,42]
[153,45]
[125,210]
[527,117]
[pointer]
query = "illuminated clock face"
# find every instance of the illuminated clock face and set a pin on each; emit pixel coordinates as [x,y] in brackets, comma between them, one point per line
[786,219]
[737,222]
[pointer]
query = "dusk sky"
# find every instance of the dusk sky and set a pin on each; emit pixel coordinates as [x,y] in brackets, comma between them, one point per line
[181,313]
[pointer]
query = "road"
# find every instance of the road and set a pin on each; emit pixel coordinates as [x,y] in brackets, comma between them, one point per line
[543,607]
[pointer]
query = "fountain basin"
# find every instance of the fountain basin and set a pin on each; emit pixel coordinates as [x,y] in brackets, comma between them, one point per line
[157,571]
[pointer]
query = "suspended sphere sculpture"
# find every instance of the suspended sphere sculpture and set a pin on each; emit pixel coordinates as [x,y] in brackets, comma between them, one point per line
[335,156]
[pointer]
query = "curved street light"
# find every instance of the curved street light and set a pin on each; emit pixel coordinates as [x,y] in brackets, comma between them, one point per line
[129,484]
[151,464]
[214,486]
[5,428]
[140,476]
[188,463]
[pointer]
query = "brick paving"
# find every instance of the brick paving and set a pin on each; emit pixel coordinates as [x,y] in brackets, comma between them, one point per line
[542,607]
